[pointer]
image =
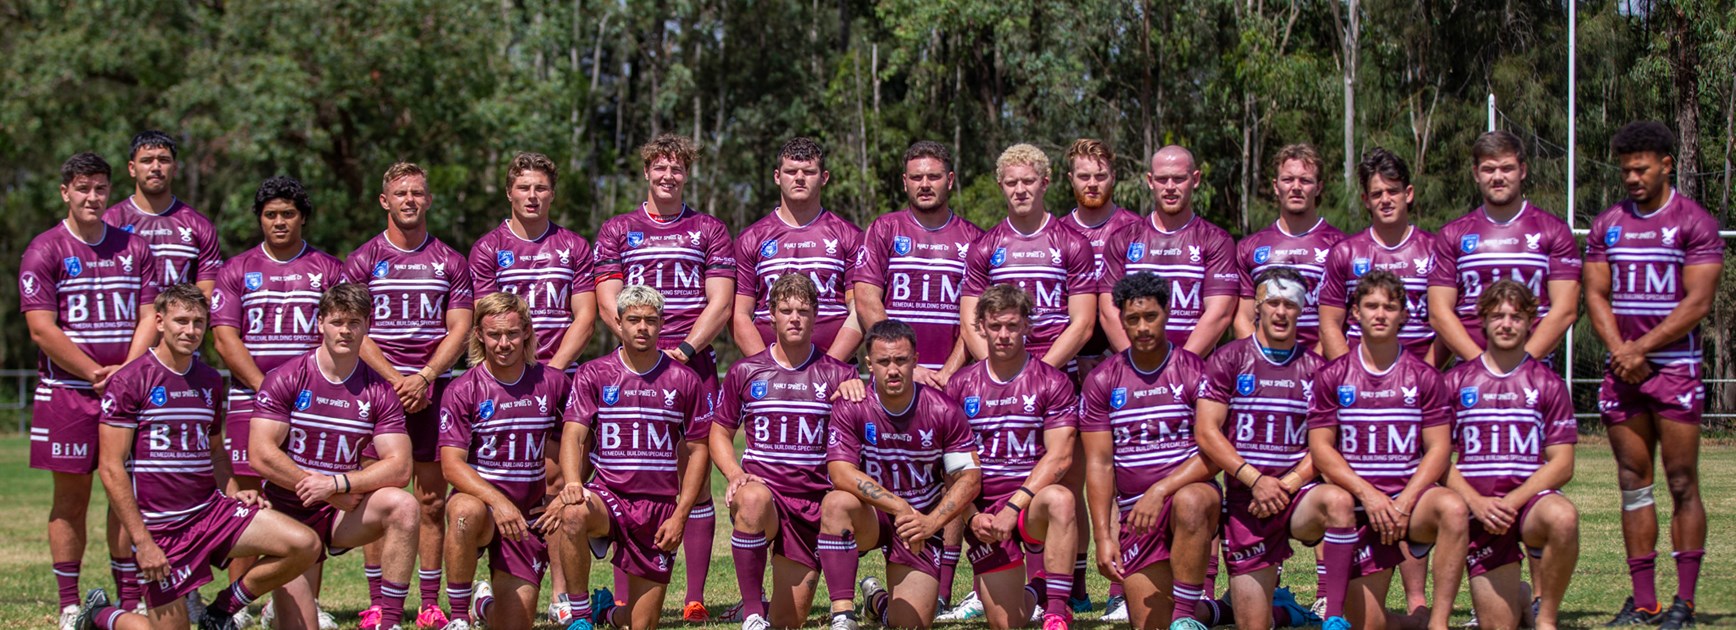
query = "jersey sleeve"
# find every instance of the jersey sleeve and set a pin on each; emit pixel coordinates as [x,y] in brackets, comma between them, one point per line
[958,436]
[1081,265]
[719,251]
[1332,292]
[226,298]
[209,260]
[727,414]
[583,279]
[1565,262]
[976,267]
[1703,246]
[870,265]
[1221,276]
[1094,404]
[455,418]
[275,396]
[698,412]
[388,412]
[121,402]
[1596,240]
[358,268]
[1220,377]
[37,289]
[154,275]
[1436,405]
[1062,404]
[483,267]
[1115,258]
[843,439]
[747,264]
[1323,406]
[460,291]
[581,405]
[1556,405]
[1245,269]
[606,262]
[1445,272]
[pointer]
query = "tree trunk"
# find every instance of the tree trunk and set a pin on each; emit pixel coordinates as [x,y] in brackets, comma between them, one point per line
[1349,27]
[1685,62]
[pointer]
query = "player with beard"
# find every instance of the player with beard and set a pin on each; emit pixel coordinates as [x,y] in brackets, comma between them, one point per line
[165,477]
[314,417]
[1392,243]
[1300,239]
[1253,424]
[1174,243]
[1024,414]
[495,421]
[687,256]
[902,465]
[799,236]
[1154,506]
[183,240]
[1040,254]
[1091,172]
[1514,431]
[1379,427]
[784,397]
[1651,268]
[638,419]
[1505,238]
[86,292]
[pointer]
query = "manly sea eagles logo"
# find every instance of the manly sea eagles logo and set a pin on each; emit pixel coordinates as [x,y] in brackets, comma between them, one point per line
[566,256]
[1308,391]
[1346,395]
[1530,397]
[126,263]
[819,391]
[504,259]
[1611,236]
[445,420]
[963,249]
[973,405]
[1262,254]
[1320,254]
[1359,267]
[1193,253]
[757,389]
[1423,265]
[1054,255]
[693,237]
[1468,397]
[1670,235]
[769,248]
[253,280]
[901,245]
[926,436]
[1533,242]
[28,283]
[611,394]
[1244,384]
[669,397]
[303,400]
[1135,252]
[485,409]
[108,404]
[542,404]
[362,409]
[186,234]
[439,269]
[635,239]
[380,269]
[1175,392]
[209,399]
[1468,242]
[831,246]
[159,396]
[1118,398]
[997,259]
[74,266]
[1410,395]
[313,280]
[1030,402]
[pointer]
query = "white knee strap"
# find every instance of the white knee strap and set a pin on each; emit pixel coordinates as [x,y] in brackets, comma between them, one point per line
[1638,498]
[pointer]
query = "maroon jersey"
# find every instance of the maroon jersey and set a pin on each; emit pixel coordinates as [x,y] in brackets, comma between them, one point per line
[173,416]
[1052,264]
[921,272]
[1268,401]
[330,424]
[94,289]
[1412,260]
[1150,416]
[787,411]
[674,257]
[1504,422]
[1120,219]
[1379,416]
[274,304]
[182,239]
[412,290]
[547,271]
[1009,418]
[1198,259]
[823,249]
[1533,248]
[902,452]
[505,426]
[1305,252]
[640,423]
[1646,254]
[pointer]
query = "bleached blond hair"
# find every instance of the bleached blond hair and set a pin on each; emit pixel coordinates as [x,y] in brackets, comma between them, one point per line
[1022,154]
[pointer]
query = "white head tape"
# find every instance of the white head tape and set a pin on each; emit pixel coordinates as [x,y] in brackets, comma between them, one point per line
[1285,289]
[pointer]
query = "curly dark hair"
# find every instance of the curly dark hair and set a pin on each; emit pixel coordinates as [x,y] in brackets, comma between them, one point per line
[286,188]
[1141,285]
[802,149]
[153,138]
[1643,136]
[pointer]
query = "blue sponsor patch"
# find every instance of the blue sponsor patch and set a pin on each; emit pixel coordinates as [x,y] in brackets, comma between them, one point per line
[1360,266]
[1468,397]
[611,394]
[769,248]
[635,239]
[1262,254]
[380,269]
[253,280]
[303,400]
[1612,235]
[74,266]
[130,229]
[901,245]
[1346,395]
[485,409]
[871,433]
[999,257]
[1118,398]
[1468,242]
[758,389]
[1135,252]
[159,396]
[973,405]
[504,259]
[1244,384]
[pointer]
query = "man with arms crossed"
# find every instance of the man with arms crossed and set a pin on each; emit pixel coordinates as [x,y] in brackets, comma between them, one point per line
[165,477]
[902,465]
[495,422]
[799,236]
[1379,427]
[1651,268]
[183,240]
[422,296]
[1392,243]
[1514,432]
[86,291]
[1253,424]
[1300,239]
[783,395]
[639,419]
[313,418]
[1024,414]
[1506,238]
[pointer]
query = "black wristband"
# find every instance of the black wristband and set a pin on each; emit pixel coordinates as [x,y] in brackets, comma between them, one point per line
[1027,492]
[1238,474]
[687,349]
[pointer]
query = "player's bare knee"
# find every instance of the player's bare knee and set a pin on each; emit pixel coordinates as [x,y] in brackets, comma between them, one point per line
[752,498]
[575,520]
[1339,507]
[1683,482]
[403,513]
[1058,501]
[838,509]
[1451,512]
[1196,508]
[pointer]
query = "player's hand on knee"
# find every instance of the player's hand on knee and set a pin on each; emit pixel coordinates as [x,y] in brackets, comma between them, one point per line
[508,520]
[1143,517]
[573,493]
[345,502]
[982,526]
[550,521]
[153,565]
[253,498]
[1109,560]
[736,484]
[1005,523]
[1270,498]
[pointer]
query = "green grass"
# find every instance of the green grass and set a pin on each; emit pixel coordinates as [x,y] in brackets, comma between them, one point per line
[27,589]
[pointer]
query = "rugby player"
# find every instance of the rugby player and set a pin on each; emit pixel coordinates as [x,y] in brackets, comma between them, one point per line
[1392,243]
[1300,239]
[1091,173]
[1651,268]
[183,240]
[1514,432]
[86,291]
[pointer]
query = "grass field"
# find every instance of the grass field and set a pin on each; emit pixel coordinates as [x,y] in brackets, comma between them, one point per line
[27,587]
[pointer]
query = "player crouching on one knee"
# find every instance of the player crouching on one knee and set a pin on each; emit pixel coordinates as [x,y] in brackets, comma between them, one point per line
[1514,432]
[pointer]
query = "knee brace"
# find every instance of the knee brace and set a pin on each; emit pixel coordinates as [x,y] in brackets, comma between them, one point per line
[1638,498]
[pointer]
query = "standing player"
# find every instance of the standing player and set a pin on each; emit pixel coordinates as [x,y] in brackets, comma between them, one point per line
[1651,269]
[165,476]
[1514,432]
[688,257]
[911,265]
[1300,239]
[639,420]
[1091,172]
[313,419]
[422,297]
[1024,415]
[495,422]
[85,290]
[181,238]
[1379,427]
[533,257]
[1197,258]
[799,236]
[1154,507]
[783,395]
[1506,238]
[1041,255]
[1253,423]
[902,465]
[1392,243]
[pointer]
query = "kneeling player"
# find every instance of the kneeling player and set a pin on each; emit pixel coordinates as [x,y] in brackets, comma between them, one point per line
[162,465]
[313,418]
[1515,434]
[1025,417]
[1263,383]
[640,419]
[1379,427]
[1154,509]
[903,465]
[494,422]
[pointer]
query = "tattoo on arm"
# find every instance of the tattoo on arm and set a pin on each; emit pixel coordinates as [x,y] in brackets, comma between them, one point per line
[870,489]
